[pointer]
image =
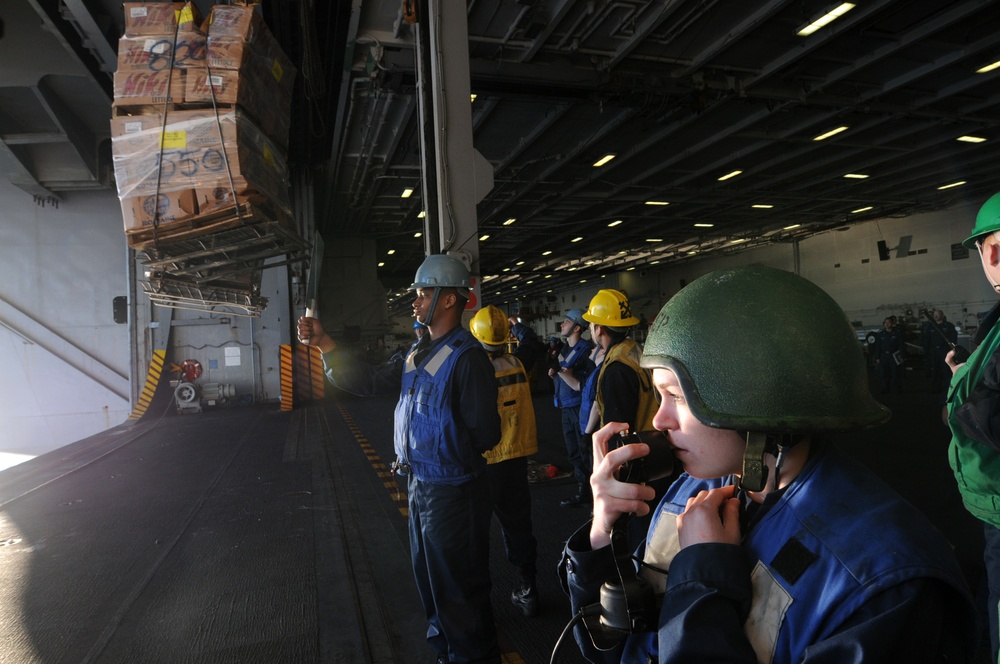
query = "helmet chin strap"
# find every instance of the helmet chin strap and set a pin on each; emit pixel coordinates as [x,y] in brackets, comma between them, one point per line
[755,471]
[754,475]
[434,302]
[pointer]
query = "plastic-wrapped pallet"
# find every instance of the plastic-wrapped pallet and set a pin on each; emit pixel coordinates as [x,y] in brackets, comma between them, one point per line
[176,167]
[199,133]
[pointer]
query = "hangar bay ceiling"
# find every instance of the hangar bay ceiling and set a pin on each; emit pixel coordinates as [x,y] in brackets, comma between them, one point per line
[726,128]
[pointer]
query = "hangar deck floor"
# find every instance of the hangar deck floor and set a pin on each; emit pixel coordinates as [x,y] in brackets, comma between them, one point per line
[250,535]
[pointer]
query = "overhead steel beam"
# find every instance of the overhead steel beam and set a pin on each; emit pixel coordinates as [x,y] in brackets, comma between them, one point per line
[15,172]
[74,131]
[76,12]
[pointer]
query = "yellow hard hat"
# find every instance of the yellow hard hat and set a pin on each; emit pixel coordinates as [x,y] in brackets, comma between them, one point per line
[610,307]
[490,327]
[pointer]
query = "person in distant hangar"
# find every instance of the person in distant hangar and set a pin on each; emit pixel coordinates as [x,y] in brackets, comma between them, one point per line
[445,420]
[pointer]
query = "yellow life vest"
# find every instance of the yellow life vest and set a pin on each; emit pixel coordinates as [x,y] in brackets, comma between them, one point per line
[518,436]
[628,352]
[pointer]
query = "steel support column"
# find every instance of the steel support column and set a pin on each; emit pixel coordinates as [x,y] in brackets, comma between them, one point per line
[457,165]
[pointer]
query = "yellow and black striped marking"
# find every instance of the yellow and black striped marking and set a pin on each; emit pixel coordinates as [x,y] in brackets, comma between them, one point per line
[396,492]
[149,389]
[316,372]
[308,372]
[287,383]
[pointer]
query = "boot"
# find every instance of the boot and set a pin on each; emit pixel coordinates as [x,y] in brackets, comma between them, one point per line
[525,598]
[581,498]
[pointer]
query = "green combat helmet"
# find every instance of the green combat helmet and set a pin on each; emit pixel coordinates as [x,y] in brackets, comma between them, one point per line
[987,221]
[764,350]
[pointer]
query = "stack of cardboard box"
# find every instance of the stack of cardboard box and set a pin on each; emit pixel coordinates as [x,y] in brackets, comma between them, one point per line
[199,135]
[200,121]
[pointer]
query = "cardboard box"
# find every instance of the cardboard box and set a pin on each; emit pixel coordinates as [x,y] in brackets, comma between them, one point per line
[138,211]
[149,87]
[235,21]
[270,107]
[265,55]
[197,150]
[211,199]
[238,36]
[160,18]
[154,53]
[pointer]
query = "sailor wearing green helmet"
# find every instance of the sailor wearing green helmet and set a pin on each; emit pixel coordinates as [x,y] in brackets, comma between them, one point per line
[772,546]
[974,413]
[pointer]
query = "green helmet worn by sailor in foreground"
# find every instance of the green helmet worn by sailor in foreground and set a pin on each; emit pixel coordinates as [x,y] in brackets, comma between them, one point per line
[987,221]
[760,349]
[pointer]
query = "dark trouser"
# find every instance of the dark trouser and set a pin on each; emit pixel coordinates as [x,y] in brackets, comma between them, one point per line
[891,373]
[991,556]
[938,367]
[512,506]
[577,444]
[449,550]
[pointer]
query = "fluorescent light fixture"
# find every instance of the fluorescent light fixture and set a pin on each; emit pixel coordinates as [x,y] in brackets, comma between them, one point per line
[762,206]
[825,18]
[953,184]
[510,221]
[989,67]
[530,281]
[506,269]
[406,193]
[546,253]
[472,97]
[629,269]
[603,160]
[484,238]
[519,263]
[418,234]
[788,228]
[971,139]
[654,239]
[391,252]
[614,223]
[583,281]
[576,239]
[657,203]
[381,264]
[692,252]
[730,174]
[856,176]
[421,214]
[864,209]
[548,276]
[832,132]
[738,240]
[653,262]
[704,225]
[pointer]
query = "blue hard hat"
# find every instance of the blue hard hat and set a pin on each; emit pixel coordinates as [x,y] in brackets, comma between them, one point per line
[441,271]
[576,315]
